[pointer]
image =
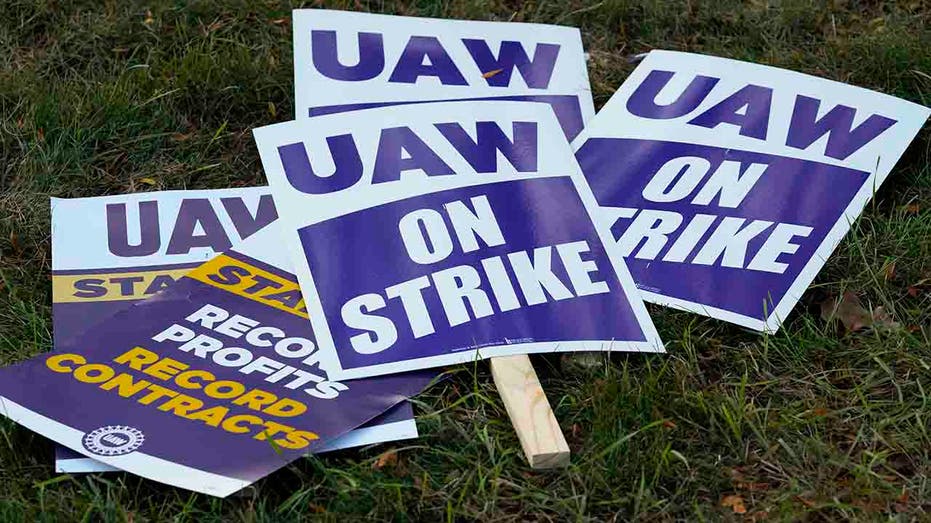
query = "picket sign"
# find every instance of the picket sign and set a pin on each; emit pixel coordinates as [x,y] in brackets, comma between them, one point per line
[456,203]
[346,61]
[110,252]
[728,184]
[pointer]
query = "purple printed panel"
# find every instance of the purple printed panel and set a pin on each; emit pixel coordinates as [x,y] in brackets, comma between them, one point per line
[533,215]
[199,443]
[702,197]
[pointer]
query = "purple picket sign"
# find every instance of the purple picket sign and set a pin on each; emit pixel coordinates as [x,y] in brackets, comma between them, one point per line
[109,252]
[209,385]
[727,185]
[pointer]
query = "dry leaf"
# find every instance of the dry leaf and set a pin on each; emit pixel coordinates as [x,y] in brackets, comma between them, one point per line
[807,502]
[272,110]
[848,310]
[669,424]
[576,430]
[735,502]
[883,319]
[386,458]
[148,18]
[489,74]
[216,24]
[890,271]
[148,181]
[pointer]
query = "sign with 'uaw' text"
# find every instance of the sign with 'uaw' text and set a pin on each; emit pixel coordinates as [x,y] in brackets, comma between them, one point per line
[727,184]
[345,61]
[110,252]
[444,234]
[209,385]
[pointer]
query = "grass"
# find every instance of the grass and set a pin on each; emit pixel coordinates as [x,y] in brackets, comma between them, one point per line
[813,423]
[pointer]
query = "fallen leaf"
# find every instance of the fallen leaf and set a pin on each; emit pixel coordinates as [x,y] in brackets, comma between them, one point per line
[735,503]
[40,134]
[848,310]
[890,271]
[316,508]
[14,242]
[272,110]
[820,411]
[281,21]
[883,319]
[754,487]
[576,430]
[386,458]
[489,74]
[807,502]
[912,208]
[669,424]
[181,137]
[148,18]
[148,181]
[216,24]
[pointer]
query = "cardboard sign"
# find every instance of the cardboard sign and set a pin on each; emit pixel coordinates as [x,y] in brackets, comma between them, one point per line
[345,61]
[112,251]
[208,385]
[444,234]
[727,184]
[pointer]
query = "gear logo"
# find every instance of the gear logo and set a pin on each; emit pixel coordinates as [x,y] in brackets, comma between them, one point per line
[113,440]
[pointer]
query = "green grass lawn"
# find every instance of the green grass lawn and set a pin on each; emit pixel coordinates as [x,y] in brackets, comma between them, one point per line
[813,423]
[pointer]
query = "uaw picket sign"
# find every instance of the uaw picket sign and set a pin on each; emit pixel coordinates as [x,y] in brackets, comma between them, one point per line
[346,61]
[727,184]
[110,252]
[445,234]
[209,385]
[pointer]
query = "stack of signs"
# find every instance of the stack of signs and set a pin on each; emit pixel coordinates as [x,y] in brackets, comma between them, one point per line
[223,358]
[728,184]
[112,251]
[433,212]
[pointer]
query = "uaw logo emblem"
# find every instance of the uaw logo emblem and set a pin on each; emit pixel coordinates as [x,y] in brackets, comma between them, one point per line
[113,440]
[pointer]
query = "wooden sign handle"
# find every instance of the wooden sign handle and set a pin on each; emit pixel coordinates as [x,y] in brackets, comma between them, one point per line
[530,412]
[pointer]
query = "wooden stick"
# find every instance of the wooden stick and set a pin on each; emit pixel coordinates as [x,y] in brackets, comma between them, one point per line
[530,412]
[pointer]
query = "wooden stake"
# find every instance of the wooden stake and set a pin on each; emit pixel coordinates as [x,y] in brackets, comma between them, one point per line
[530,412]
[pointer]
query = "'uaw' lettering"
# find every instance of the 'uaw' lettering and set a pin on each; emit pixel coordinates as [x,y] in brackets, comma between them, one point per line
[401,149]
[691,178]
[468,293]
[196,224]
[748,108]
[425,56]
